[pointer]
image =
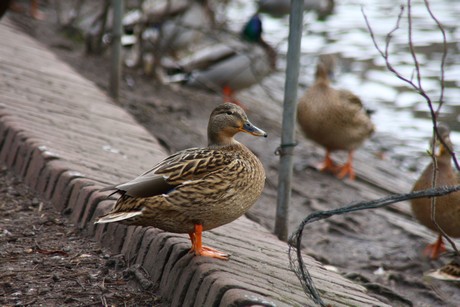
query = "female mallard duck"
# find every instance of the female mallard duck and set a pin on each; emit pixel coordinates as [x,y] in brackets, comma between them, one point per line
[447,213]
[233,66]
[335,119]
[197,189]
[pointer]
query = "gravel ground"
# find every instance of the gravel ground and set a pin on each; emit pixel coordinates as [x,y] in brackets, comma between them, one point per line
[45,262]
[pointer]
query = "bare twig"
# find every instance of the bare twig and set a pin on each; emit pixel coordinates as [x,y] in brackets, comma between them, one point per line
[444,54]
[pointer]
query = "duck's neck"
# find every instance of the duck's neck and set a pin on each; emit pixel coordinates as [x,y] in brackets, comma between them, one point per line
[321,76]
[220,139]
[272,55]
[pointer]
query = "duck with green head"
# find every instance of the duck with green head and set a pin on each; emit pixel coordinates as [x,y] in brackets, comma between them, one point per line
[231,65]
[197,189]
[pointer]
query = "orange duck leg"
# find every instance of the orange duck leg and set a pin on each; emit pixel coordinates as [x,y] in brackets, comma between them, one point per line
[199,249]
[228,94]
[434,250]
[327,165]
[347,168]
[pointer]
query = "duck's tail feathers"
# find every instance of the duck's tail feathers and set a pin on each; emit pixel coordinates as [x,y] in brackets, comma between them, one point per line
[181,78]
[370,112]
[112,188]
[117,217]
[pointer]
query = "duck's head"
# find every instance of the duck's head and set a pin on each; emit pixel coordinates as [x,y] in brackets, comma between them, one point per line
[444,133]
[227,120]
[252,30]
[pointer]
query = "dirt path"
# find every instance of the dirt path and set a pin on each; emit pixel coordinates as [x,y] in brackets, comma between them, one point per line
[44,261]
[367,247]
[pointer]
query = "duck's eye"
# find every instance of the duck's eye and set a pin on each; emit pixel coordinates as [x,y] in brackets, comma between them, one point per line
[229,113]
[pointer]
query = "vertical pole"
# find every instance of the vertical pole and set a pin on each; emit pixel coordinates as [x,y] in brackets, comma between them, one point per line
[289,119]
[115,72]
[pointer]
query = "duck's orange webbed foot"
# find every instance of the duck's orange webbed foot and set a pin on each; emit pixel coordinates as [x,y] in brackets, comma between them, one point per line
[327,165]
[35,11]
[347,168]
[200,250]
[433,251]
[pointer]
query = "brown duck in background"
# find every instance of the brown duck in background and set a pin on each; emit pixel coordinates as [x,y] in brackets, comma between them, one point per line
[197,189]
[447,212]
[334,119]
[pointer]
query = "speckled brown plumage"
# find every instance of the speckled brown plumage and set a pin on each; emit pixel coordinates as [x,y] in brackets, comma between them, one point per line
[452,268]
[447,207]
[448,272]
[208,187]
[332,118]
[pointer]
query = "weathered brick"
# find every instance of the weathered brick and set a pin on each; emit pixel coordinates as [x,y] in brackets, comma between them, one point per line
[157,255]
[63,188]
[45,177]
[114,237]
[132,243]
[97,230]
[202,268]
[22,158]
[79,198]
[174,267]
[15,159]
[179,278]
[241,297]
[86,222]
[40,157]
[127,240]
[148,237]
[52,172]
[218,283]
[6,154]
[205,287]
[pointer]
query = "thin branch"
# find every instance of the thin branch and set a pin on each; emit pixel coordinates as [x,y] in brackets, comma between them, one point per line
[444,54]
[411,47]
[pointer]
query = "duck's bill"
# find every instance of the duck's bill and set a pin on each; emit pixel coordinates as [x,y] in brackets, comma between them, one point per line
[443,149]
[248,127]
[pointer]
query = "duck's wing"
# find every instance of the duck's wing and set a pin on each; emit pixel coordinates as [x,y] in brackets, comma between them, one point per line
[354,102]
[184,166]
[207,57]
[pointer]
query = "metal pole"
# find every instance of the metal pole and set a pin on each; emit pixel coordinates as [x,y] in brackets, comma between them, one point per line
[115,73]
[289,119]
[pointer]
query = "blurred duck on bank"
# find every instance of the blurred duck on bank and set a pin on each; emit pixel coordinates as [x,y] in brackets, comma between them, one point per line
[163,29]
[233,64]
[333,118]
